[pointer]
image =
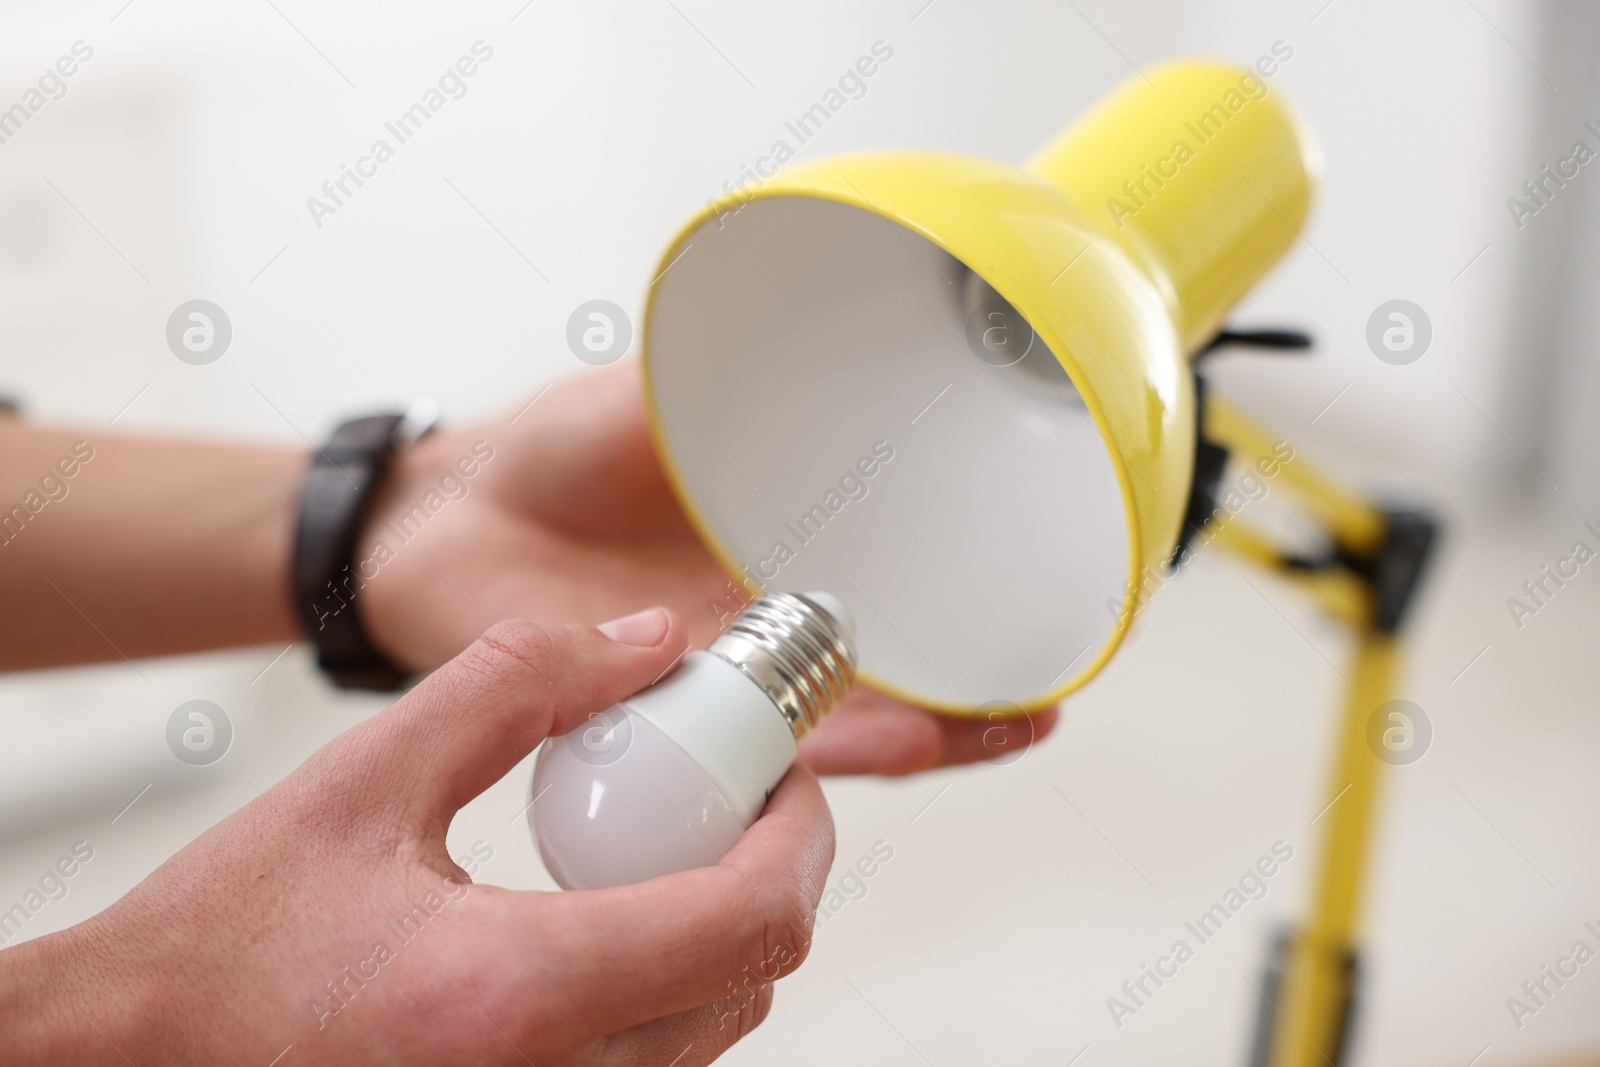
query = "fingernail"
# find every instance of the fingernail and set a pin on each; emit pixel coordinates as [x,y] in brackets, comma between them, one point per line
[644,628]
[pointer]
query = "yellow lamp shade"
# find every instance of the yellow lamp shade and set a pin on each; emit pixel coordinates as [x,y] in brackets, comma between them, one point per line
[955,393]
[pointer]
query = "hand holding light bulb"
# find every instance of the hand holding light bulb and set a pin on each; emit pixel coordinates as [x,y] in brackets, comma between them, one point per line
[667,780]
[328,915]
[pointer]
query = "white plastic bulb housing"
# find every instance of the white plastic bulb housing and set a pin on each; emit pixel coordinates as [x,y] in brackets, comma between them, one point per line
[668,779]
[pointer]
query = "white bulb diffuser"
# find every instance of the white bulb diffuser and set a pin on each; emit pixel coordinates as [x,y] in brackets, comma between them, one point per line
[668,779]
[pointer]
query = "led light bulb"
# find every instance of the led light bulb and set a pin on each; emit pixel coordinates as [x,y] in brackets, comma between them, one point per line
[668,779]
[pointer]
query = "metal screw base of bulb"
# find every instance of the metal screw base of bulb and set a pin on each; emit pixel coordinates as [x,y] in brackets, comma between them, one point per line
[800,655]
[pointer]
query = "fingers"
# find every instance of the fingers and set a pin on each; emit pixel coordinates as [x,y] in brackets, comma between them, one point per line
[690,1038]
[870,733]
[466,725]
[723,933]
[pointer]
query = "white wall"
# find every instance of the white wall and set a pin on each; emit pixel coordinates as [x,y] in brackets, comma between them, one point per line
[195,135]
[192,139]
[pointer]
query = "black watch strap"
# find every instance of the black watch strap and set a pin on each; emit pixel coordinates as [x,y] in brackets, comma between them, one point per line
[338,489]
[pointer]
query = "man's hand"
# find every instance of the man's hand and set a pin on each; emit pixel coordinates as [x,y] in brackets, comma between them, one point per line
[573,519]
[326,915]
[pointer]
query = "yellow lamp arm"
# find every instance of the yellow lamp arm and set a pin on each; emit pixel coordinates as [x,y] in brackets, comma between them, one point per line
[1354,523]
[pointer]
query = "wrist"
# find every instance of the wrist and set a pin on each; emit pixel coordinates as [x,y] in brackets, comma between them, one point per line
[63,1001]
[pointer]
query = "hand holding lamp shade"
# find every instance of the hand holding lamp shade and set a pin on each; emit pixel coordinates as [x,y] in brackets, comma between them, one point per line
[959,397]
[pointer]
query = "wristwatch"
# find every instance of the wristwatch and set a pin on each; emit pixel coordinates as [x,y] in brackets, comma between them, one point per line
[339,485]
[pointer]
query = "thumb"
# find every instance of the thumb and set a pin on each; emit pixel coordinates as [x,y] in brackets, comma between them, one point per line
[470,722]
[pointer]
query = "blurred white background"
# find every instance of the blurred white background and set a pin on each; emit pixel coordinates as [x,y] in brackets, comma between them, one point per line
[178,164]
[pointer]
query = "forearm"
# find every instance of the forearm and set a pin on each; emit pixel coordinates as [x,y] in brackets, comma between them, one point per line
[118,546]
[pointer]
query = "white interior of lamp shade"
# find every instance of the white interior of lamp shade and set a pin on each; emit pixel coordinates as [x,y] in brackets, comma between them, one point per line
[801,343]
